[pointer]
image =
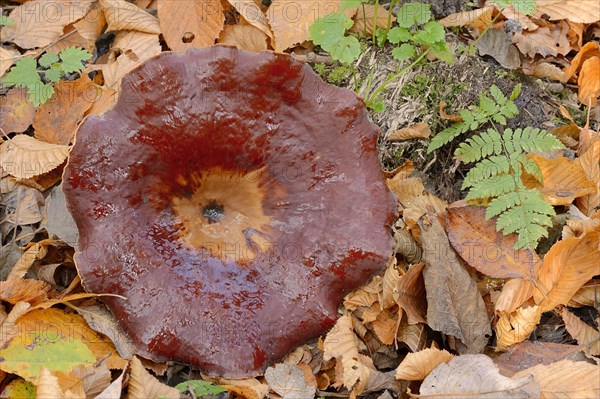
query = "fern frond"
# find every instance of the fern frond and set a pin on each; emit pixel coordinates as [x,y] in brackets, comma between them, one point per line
[446,136]
[477,147]
[493,187]
[529,219]
[502,203]
[485,169]
[531,167]
[497,94]
[530,140]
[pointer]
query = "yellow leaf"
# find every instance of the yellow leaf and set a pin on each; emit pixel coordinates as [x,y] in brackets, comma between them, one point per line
[24,157]
[589,50]
[122,15]
[142,385]
[568,265]
[565,379]
[189,24]
[480,18]
[39,22]
[90,27]
[249,388]
[516,327]
[416,366]
[252,14]
[590,164]
[246,37]
[514,293]
[581,331]
[589,82]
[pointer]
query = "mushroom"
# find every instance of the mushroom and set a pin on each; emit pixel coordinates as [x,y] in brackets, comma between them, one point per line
[233,198]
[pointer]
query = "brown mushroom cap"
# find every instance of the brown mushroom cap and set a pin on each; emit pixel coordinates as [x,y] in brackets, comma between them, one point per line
[233,198]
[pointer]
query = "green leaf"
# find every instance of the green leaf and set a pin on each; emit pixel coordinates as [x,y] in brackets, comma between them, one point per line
[493,187]
[346,50]
[5,21]
[348,4]
[329,30]
[54,73]
[442,51]
[199,387]
[39,93]
[48,59]
[411,14]
[485,169]
[398,35]
[516,92]
[404,52]
[435,30]
[23,74]
[72,59]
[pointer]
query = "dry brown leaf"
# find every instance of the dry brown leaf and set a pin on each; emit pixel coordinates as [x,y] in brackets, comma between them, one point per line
[531,353]
[364,20]
[476,376]
[589,82]
[48,387]
[290,20]
[588,295]
[252,14]
[544,41]
[511,12]
[546,70]
[487,250]
[104,101]
[39,22]
[411,194]
[70,38]
[7,56]
[496,44]
[478,18]
[590,164]
[410,294]
[366,295]
[142,385]
[565,379]
[287,380]
[136,47]
[386,325]
[515,293]
[417,131]
[246,37]
[516,327]
[113,391]
[122,15]
[16,111]
[341,343]
[449,117]
[584,11]
[454,304]
[563,180]
[24,156]
[90,27]
[249,388]
[58,118]
[568,265]
[389,282]
[189,24]
[102,320]
[26,290]
[581,331]
[589,50]
[414,336]
[416,366]
[91,380]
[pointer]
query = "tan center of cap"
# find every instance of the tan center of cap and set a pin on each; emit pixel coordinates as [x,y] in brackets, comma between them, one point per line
[224,214]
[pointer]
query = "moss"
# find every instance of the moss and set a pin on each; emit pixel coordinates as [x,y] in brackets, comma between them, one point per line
[337,75]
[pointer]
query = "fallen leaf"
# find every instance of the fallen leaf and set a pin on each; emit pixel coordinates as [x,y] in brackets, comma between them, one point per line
[24,290]
[58,118]
[588,295]
[515,327]
[386,325]
[476,376]
[565,379]
[249,388]
[23,205]
[531,353]
[417,131]
[416,366]
[547,70]
[246,37]
[16,111]
[189,24]
[288,381]
[7,56]
[568,265]
[48,387]
[454,304]
[251,13]
[563,180]
[515,292]
[389,282]
[449,117]
[411,194]
[590,164]
[544,41]
[480,18]
[113,391]
[90,27]
[583,11]
[70,38]
[589,50]
[136,47]
[496,44]
[364,20]
[589,81]
[366,295]
[142,385]
[290,20]
[39,22]
[512,12]
[487,250]
[24,156]
[581,331]
[341,343]
[122,15]
[410,294]
[59,221]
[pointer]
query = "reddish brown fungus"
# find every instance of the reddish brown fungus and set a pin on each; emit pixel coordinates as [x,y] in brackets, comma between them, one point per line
[233,198]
